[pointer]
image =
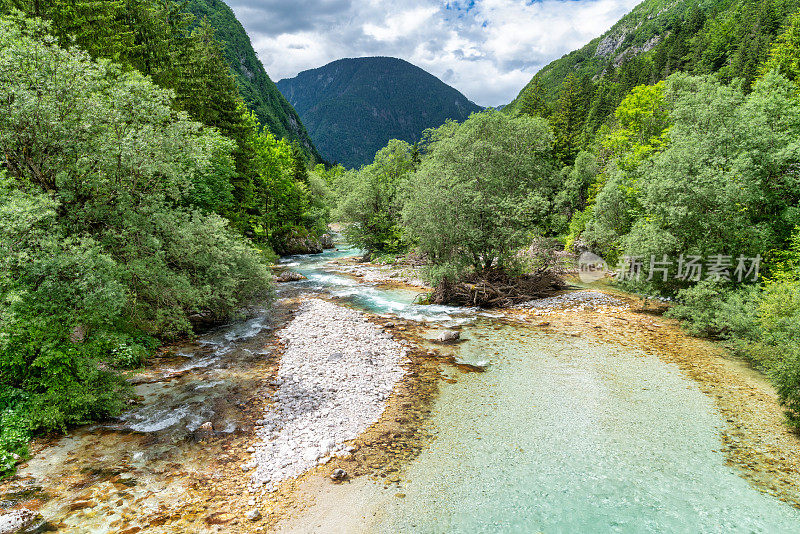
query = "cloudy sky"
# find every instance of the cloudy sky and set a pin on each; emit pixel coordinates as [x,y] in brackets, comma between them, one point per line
[487,49]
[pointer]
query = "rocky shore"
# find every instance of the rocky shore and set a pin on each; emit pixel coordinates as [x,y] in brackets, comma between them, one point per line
[334,380]
[575,301]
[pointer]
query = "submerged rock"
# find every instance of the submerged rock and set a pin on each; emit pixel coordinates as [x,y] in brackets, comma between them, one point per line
[205,432]
[18,521]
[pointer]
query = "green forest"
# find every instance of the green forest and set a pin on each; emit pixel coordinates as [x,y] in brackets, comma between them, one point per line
[140,201]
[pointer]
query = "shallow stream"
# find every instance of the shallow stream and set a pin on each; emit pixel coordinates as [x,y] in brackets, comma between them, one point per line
[560,434]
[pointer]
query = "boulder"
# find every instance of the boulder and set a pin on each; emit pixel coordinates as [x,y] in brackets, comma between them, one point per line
[290,276]
[326,240]
[253,515]
[449,336]
[301,244]
[338,474]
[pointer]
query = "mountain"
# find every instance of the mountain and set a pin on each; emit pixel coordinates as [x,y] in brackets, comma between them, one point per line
[255,86]
[353,107]
[578,93]
[729,38]
[635,33]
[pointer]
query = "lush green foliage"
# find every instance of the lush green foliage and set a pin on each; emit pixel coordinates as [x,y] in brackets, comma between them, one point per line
[156,38]
[258,90]
[484,188]
[760,322]
[709,183]
[371,199]
[107,228]
[159,39]
[353,107]
[730,39]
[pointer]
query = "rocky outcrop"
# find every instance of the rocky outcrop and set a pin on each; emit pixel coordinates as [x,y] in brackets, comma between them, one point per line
[609,44]
[302,244]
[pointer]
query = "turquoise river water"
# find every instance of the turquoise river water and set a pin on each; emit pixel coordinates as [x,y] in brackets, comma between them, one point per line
[560,434]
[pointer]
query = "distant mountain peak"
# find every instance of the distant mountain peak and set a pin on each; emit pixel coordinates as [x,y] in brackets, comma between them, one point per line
[353,106]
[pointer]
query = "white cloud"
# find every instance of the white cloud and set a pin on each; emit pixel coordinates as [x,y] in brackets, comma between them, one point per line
[399,25]
[487,49]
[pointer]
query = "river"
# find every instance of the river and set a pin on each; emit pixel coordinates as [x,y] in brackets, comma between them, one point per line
[559,434]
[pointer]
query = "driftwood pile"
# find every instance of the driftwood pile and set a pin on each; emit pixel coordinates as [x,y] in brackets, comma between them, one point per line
[497,289]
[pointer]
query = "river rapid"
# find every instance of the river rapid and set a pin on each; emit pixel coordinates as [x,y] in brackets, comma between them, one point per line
[560,433]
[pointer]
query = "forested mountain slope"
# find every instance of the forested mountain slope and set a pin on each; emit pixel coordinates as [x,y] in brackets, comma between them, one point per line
[728,38]
[352,107]
[255,86]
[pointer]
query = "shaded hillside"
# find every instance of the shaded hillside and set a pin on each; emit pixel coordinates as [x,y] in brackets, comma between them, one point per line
[256,87]
[353,107]
[728,38]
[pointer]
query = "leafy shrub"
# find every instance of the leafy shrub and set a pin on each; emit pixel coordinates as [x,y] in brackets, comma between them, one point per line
[371,199]
[761,322]
[779,320]
[484,189]
[710,309]
[102,246]
[14,430]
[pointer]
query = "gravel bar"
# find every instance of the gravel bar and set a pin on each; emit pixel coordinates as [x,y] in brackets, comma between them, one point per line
[334,380]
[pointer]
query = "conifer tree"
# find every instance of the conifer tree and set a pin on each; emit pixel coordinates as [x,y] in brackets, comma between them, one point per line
[533,102]
[567,119]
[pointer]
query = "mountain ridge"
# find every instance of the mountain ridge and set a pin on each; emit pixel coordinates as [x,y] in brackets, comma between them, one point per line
[353,106]
[256,87]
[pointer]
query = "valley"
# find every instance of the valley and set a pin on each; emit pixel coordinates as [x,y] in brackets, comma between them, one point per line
[485,266]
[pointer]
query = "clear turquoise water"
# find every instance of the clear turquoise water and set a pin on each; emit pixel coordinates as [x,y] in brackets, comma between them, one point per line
[559,435]
[566,435]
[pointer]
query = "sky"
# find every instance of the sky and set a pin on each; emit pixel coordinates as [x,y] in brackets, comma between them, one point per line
[487,49]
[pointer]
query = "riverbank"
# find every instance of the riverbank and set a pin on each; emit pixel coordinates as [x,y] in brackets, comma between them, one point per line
[589,325]
[198,485]
[403,273]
